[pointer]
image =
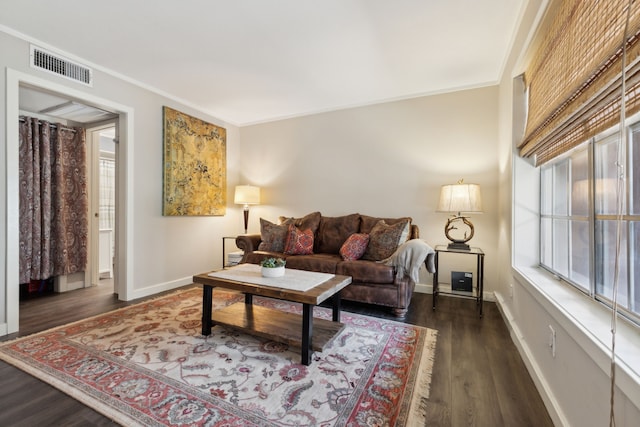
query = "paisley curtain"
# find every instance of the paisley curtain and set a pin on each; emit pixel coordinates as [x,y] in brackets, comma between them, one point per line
[53,200]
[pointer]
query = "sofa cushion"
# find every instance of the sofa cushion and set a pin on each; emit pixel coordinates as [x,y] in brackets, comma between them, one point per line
[333,231]
[256,256]
[368,222]
[298,242]
[310,221]
[272,235]
[384,239]
[322,263]
[353,248]
[366,271]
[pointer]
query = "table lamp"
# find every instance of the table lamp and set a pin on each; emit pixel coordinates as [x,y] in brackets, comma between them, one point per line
[246,195]
[459,198]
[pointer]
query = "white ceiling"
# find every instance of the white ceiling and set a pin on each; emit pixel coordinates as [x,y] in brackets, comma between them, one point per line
[250,61]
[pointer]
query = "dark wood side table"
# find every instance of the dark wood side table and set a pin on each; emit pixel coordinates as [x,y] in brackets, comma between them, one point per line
[479,288]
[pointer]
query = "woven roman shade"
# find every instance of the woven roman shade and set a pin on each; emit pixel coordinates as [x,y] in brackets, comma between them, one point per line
[574,78]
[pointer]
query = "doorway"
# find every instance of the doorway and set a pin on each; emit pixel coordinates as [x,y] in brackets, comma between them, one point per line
[102,141]
[123,253]
[100,129]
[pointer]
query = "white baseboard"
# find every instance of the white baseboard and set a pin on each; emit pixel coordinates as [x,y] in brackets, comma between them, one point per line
[69,282]
[423,288]
[4,329]
[105,274]
[160,287]
[555,411]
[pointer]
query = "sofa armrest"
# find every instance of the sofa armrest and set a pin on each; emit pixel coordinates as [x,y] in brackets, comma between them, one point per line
[248,242]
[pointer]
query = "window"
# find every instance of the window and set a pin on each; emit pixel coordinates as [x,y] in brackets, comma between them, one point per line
[584,222]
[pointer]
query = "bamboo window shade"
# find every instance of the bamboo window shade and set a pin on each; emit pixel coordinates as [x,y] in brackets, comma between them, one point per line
[574,77]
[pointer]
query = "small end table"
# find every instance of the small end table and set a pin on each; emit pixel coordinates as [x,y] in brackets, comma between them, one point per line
[479,254]
[224,255]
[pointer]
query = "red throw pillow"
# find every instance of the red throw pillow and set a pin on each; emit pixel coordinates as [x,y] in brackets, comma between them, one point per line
[298,242]
[353,248]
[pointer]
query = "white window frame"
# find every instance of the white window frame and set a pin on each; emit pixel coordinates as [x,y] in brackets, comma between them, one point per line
[549,218]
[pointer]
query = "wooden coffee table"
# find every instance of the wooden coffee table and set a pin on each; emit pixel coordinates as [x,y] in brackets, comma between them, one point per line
[312,335]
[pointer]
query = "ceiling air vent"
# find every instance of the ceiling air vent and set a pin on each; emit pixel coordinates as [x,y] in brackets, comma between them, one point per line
[63,67]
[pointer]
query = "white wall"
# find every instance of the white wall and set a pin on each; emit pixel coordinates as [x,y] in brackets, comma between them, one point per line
[164,251]
[575,382]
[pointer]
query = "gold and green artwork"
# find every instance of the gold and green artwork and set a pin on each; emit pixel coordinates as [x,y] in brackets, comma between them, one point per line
[195,166]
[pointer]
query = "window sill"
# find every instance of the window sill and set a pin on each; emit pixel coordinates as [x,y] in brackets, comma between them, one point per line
[589,324]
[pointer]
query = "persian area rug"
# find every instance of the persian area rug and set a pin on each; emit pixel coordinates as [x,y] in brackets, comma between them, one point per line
[148,364]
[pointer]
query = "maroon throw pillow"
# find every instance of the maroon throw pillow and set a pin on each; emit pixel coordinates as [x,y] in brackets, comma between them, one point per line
[353,248]
[298,242]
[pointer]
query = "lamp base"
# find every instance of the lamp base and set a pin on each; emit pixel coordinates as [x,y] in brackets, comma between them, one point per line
[457,243]
[246,218]
[457,246]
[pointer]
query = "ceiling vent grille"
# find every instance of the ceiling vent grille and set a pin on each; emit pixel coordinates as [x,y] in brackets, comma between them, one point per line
[63,67]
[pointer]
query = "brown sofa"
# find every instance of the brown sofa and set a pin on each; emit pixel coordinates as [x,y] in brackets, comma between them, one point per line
[373,282]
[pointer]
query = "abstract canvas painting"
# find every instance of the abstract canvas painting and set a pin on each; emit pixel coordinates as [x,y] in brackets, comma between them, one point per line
[195,166]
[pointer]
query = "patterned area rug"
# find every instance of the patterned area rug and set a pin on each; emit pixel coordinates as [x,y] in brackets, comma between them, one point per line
[148,364]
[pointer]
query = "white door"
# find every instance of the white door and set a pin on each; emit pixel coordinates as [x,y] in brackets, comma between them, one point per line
[101,204]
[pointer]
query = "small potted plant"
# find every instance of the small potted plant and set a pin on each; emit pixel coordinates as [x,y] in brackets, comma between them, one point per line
[272,267]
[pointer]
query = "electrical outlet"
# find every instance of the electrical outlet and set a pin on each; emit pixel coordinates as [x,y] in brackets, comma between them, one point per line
[552,341]
[511,290]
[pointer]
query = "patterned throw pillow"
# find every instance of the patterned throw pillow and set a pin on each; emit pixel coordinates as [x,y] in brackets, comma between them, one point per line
[384,239]
[298,242]
[353,248]
[272,236]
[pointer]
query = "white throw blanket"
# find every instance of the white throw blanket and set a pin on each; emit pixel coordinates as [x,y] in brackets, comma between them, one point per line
[409,256]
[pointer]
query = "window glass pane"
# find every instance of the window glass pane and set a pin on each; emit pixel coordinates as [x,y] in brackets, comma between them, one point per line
[591,259]
[634,173]
[545,247]
[560,179]
[606,236]
[580,254]
[606,174]
[580,183]
[561,246]
[546,190]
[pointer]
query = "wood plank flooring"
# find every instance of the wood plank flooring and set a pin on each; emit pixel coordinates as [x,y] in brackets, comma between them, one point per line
[478,376]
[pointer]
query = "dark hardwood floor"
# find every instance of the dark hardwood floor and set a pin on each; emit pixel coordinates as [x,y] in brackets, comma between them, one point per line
[478,377]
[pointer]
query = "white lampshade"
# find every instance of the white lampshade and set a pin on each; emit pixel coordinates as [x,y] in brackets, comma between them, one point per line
[460,198]
[247,195]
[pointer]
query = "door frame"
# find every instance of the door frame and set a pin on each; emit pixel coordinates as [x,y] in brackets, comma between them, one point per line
[92,275]
[123,269]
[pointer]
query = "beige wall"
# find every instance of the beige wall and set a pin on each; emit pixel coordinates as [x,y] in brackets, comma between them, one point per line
[385,160]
